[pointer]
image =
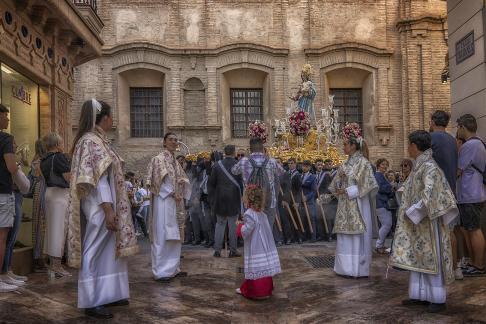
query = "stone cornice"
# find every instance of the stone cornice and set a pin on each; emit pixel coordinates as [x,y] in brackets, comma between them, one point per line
[351,46]
[70,15]
[420,23]
[208,127]
[108,51]
[74,11]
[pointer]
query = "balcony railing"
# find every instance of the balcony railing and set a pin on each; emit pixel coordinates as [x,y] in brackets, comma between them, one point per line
[86,3]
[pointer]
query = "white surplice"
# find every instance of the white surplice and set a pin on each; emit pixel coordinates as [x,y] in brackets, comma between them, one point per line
[261,255]
[423,286]
[429,287]
[103,278]
[353,251]
[166,241]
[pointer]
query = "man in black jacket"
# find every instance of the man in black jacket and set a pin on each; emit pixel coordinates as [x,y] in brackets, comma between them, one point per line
[295,195]
[324,179]
[225,190]
[284,198]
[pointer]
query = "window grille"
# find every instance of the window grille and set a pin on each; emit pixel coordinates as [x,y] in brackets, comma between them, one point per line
[246,107]
[349,103]
[146,117]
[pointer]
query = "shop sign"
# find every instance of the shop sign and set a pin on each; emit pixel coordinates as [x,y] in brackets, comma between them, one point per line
[465,48]
[21,94]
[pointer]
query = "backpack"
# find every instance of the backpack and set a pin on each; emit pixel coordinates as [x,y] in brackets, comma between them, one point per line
[260,178]
[482,172]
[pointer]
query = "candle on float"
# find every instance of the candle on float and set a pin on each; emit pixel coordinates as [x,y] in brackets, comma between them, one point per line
[331,99]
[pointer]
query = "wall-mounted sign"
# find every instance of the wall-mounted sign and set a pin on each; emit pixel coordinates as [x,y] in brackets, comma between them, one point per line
[465,48]
[21,94]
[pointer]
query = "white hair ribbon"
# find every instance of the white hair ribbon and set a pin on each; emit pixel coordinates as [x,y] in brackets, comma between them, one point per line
[360,141]
[96,109]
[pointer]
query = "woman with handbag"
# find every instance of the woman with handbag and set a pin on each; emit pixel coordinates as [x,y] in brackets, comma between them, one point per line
[56,170]
[385,202]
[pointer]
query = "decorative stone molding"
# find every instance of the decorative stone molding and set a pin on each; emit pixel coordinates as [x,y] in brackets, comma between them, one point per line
[420,26]
[131,56]
[350,46]
[213,140]
[205,127]
[148,46]
[91,18]
[193,83]
[61,119]
[27,39]
[384,132]
[193,62]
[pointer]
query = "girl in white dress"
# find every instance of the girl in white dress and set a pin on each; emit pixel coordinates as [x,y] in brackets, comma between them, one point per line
[261,257]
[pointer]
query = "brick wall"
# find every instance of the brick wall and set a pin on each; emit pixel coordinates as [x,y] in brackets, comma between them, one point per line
[402,43]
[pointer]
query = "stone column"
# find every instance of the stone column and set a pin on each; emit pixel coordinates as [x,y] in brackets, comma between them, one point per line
[212,96]
[175,111]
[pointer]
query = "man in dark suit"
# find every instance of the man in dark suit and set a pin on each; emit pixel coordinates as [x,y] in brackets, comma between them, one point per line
[309,194]
[284,197]
[295,193]
[324,178]
[225,190]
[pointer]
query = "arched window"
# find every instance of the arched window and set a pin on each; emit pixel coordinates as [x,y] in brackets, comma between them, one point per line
[194,102]
[351,88]
[244,93]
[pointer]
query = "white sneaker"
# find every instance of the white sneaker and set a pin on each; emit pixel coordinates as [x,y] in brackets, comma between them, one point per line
[238,291]
[17,277]
[11,281]
[5,287]
[458,274]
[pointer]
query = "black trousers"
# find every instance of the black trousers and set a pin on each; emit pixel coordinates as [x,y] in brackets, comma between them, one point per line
[287,225]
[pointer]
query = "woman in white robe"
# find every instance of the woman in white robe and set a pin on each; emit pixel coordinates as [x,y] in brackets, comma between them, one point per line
[103,278]
[167,178]
[356,188]
[99,215]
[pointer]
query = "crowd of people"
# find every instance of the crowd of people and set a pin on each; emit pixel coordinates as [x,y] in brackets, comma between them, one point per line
[87,213]
[304,209]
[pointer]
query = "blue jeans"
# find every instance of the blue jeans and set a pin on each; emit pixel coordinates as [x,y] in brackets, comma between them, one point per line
[145,213]
[12,234]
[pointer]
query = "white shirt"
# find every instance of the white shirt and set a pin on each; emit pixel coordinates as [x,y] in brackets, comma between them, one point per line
[144,194]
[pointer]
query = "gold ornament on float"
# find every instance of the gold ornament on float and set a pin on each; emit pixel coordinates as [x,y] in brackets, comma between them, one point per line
[318,143]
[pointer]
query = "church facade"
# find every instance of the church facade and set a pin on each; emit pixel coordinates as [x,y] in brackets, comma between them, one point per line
[203,69]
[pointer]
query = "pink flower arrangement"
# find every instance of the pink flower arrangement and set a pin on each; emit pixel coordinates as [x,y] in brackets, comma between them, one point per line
[258,129]
[352,130]
[299,123]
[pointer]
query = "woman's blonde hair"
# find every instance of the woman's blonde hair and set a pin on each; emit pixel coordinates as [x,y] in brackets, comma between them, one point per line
[51,141]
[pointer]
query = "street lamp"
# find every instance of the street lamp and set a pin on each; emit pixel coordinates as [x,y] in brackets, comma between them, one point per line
[444,77]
